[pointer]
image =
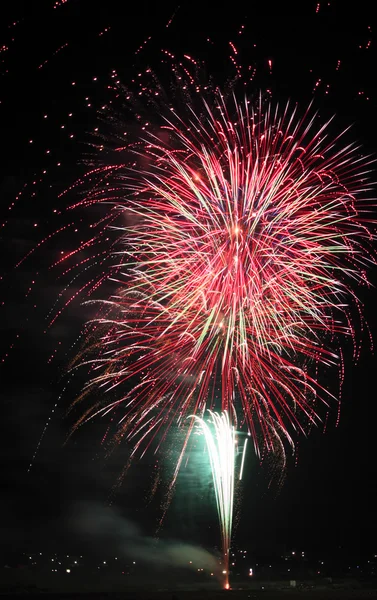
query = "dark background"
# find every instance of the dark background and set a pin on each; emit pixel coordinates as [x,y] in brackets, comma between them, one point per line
[329,495]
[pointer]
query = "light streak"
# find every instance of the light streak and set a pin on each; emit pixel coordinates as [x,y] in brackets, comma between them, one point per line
[243,459]
[220,438]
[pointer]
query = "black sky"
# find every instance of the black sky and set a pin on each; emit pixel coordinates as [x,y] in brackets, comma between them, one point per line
[329,498]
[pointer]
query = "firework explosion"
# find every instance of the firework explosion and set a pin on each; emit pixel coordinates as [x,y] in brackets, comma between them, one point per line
[241,243]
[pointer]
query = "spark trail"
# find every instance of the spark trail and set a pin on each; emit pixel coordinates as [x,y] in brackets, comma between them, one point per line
[220,437]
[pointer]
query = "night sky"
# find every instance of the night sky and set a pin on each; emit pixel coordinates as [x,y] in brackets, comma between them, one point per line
[54,55]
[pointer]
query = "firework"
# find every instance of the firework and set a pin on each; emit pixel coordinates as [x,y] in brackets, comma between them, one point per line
[243,234]
[234,232]
[220,437]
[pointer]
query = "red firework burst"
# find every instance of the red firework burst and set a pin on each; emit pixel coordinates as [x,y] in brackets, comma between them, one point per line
[243,237]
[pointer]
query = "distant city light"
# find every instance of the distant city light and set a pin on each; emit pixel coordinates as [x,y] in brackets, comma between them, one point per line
[68,566]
